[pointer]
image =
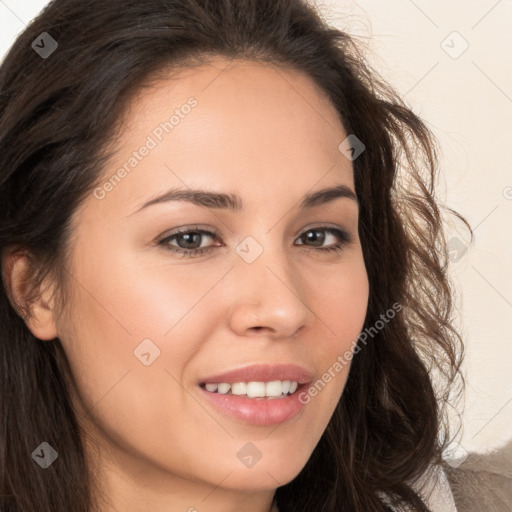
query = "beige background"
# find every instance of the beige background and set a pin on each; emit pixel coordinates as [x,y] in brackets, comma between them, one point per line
[452,61]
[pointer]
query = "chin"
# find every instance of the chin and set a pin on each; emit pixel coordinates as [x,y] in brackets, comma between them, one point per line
[263,476]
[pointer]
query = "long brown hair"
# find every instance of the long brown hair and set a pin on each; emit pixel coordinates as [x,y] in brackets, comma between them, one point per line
[58,114]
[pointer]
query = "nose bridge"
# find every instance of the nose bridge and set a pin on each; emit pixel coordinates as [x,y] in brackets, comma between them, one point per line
[264,256]
[268,292]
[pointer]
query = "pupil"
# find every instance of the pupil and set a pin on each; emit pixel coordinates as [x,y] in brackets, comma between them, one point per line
[312,236]
[188,240]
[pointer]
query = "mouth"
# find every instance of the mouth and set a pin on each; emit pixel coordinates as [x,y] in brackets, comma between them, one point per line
[259,394]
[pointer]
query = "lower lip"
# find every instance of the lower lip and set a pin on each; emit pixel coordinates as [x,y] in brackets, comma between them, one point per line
[258,411]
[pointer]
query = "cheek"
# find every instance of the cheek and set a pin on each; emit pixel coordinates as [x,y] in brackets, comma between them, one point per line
[130,334]
[121,333]
[129,341]
[339,298]
[340,294]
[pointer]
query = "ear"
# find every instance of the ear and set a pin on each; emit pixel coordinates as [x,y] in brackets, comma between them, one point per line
[38,314]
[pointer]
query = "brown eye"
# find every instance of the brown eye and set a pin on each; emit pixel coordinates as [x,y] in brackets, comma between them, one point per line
[188,242]
[317,236]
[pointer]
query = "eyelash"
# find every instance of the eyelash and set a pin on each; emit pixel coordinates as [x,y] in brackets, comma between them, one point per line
[344,237]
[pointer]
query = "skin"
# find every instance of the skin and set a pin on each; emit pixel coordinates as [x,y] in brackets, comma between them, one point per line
[268,135]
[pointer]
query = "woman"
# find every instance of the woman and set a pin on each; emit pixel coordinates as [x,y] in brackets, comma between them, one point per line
[169,340]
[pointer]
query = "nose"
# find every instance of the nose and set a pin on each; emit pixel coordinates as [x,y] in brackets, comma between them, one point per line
[268,296]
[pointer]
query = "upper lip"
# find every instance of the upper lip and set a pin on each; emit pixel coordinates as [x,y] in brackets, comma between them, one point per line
[261,373]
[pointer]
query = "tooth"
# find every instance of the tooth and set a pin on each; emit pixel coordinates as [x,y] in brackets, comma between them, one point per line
[239,388]
[223,388]
[255,389]
[273,388]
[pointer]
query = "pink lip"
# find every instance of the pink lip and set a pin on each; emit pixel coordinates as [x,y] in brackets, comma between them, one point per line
[262,373]
[258,411]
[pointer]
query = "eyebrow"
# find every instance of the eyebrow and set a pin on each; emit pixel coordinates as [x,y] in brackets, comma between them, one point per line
[233,202]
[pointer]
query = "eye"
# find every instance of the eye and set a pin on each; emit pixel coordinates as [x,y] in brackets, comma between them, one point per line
[317,237]
[189,241]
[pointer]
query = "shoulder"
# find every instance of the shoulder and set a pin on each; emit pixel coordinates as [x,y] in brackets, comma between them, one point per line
[483,480]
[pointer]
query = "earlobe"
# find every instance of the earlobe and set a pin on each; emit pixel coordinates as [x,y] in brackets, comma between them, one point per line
[38,314]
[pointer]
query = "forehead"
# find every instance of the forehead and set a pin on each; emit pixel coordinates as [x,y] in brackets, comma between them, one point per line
[246,84]
[250,102]
[247,126]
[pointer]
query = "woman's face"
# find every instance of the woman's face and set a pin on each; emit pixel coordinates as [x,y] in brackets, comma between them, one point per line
[147,325]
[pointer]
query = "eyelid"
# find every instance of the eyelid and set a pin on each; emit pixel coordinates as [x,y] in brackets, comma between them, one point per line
[322,225]
[210,230]
[191,228]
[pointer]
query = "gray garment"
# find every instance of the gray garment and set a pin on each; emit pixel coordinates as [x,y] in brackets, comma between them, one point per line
[483,481]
